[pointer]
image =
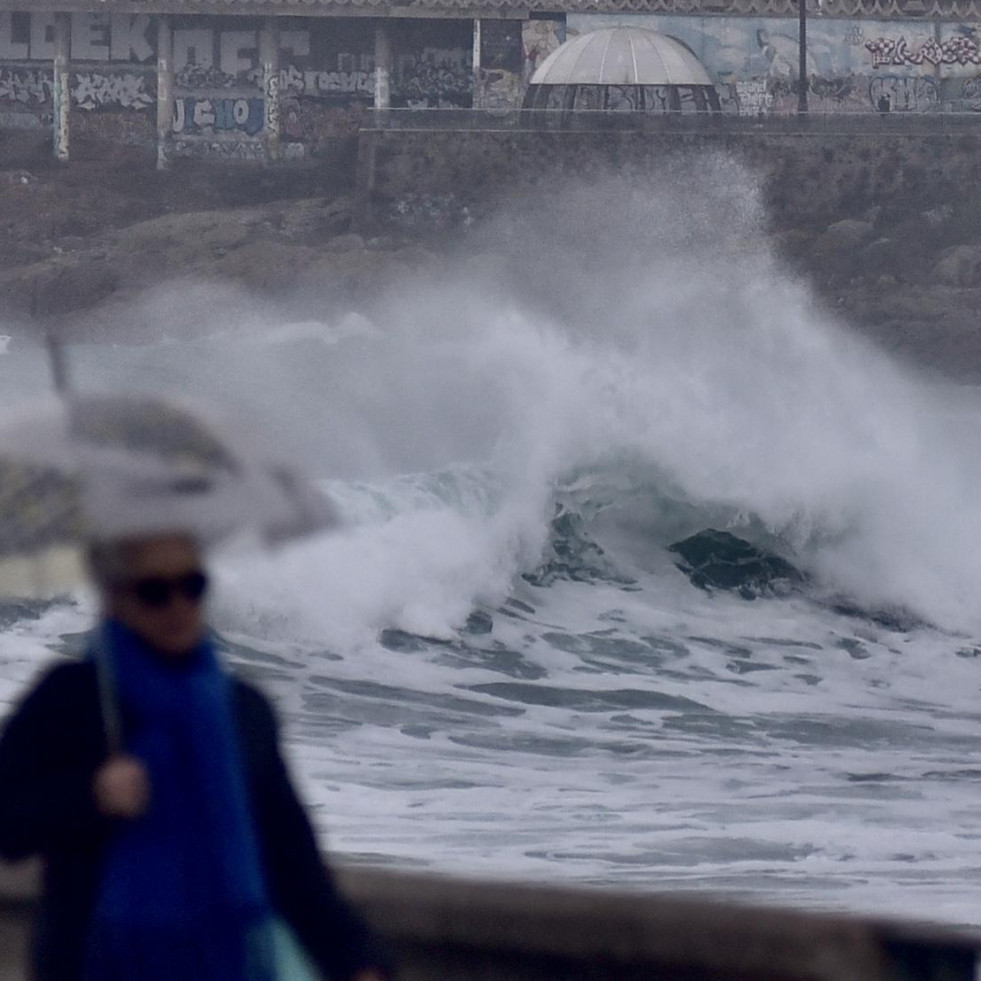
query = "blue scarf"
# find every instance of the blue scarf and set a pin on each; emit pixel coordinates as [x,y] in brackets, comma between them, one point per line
[182,894]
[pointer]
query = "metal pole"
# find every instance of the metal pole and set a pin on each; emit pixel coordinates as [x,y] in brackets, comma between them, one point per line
[165,91]
[269,56]
[61,93]
[478,90]
[383,67]
[802,56]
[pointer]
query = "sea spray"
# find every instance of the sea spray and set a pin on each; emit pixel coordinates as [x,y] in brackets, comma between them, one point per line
[646,327]
[642,325]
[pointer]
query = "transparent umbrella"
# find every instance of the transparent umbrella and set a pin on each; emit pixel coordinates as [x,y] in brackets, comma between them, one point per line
[81,468]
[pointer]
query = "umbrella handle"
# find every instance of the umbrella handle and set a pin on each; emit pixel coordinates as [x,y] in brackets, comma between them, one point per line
[59,364]
[112,723]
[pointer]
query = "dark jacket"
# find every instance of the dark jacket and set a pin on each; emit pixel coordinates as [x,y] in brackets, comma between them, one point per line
[49,752]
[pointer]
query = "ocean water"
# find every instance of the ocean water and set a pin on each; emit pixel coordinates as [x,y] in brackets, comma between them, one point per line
[495,666]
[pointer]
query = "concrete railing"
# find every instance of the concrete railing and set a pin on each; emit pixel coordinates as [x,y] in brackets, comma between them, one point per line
[441,929]
[900,124]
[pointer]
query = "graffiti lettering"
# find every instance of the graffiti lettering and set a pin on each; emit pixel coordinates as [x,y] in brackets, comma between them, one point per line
[90,90]
[953,51]
[319,83]
[272,102]
[904,93]
[194,116]
[25,86]
[238,51]
[971,94]
[836,90]
[204,59]
[201,77]
[11,47]
[96,89]
[221,149]
[753,97]
[128,38]
[95,37]
[437,78]
[193,48]
[291,80]
[90,38]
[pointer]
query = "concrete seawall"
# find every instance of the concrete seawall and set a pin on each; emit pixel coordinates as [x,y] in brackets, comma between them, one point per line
[443,929]
[812,170]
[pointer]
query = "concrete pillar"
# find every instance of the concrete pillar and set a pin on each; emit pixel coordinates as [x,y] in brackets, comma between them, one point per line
[478,89]
[165,91]
[383,67]
[269,58]
[61,92]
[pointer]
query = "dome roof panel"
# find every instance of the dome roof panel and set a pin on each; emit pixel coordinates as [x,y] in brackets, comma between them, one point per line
[621,56]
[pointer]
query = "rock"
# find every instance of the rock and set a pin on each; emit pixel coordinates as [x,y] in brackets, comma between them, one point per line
[16,177]
[400,640]
[940,214]
[959,266]
[572,554]
[881,257]
[314,221]
[844,236]
[718,560]
[56,286]
[894,618]
[353,277]
[479,622]
[351,242]
[793,242]
[264,264]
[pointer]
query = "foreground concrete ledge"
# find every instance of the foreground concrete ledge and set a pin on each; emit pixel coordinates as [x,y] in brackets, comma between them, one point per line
[625,933]
[441,928]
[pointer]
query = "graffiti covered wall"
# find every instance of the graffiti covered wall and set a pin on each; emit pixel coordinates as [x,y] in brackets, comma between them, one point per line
[327,75]
[433,65]
[852,65]
[510,51]
[327,70]
[326,79]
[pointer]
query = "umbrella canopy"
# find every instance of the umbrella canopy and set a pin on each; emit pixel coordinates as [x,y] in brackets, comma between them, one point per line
[101,467]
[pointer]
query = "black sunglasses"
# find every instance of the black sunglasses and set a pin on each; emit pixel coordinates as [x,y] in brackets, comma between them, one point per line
[159,591]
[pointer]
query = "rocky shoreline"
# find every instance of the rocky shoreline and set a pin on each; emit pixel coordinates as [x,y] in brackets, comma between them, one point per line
[79,244]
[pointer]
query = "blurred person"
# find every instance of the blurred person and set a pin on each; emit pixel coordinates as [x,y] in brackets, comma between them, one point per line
[177,849]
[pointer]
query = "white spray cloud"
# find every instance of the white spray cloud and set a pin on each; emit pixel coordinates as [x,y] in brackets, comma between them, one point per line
[641,318]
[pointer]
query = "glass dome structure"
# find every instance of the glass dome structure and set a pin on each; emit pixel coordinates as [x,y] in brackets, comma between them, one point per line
[626,69]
